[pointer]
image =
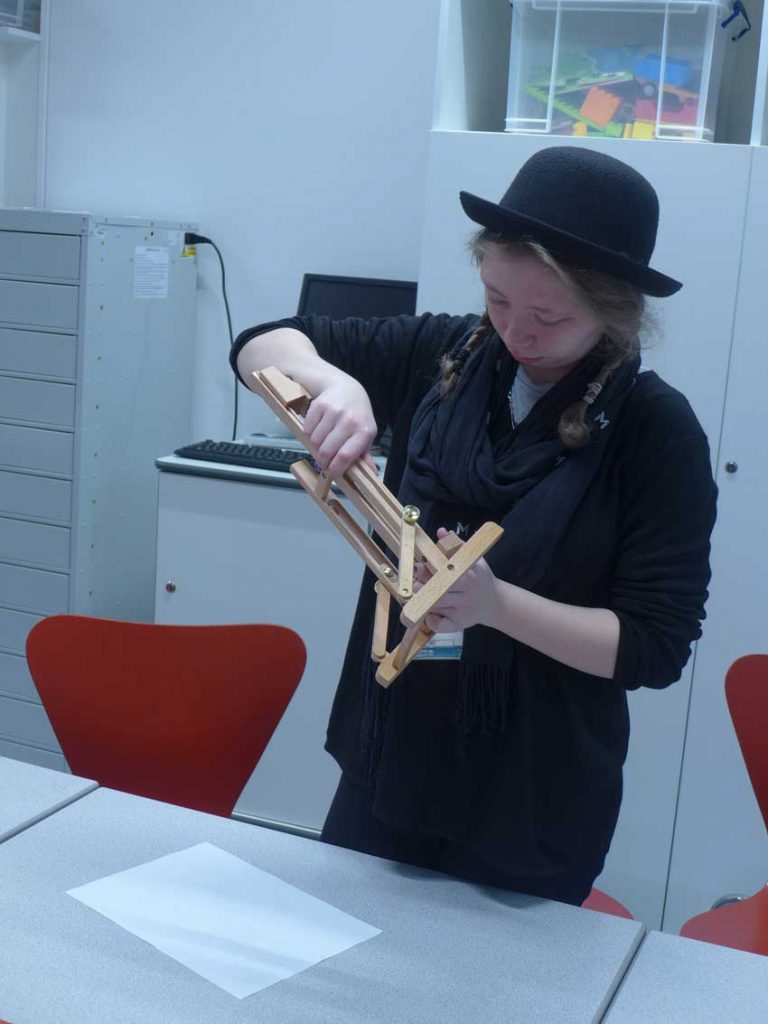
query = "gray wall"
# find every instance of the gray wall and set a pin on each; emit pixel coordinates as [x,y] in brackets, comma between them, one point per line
[294,132]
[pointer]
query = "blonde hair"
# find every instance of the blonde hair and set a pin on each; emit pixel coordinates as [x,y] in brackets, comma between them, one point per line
[617,305]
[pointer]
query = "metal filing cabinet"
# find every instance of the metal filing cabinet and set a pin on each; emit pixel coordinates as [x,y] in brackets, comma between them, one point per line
[97,326]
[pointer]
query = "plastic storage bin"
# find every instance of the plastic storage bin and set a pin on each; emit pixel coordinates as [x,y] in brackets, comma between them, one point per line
[638,69]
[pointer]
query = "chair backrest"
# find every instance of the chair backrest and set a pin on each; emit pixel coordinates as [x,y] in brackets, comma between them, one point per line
[746,690]
[175,713]
[741,925]
[605,904]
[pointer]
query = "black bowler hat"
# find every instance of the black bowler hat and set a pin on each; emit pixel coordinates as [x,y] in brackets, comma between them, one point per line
[584,207]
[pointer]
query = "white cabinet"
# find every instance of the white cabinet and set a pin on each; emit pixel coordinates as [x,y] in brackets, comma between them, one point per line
[95,382]
[721,845]
[235,547]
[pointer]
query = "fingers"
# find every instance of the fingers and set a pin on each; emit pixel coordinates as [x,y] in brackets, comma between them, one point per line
[341,442]
[323,423]
[314,414]
[340,425]
[350,451]
[442,624]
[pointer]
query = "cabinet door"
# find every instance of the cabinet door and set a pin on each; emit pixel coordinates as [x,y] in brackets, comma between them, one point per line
[720,843]
[248,552]
[699,241]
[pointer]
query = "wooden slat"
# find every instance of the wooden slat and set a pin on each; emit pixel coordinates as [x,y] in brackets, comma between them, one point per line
[323,486]
[380,623]
[386,512]
[400,654]
[387,671]
[405,559]
[370,513]
[366,548]
[363,478]
[286,390]
[450,544]
[288,417]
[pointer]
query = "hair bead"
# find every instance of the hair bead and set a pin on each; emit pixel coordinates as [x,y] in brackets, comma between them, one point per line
[593,390]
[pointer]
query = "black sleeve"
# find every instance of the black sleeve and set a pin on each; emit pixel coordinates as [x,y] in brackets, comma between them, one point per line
[662,572]
[383,353]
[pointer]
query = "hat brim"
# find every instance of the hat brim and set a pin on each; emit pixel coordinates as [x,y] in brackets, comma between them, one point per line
[512,224]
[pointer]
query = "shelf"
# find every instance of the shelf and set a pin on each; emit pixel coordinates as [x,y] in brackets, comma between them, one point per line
[10,36]
[471,87]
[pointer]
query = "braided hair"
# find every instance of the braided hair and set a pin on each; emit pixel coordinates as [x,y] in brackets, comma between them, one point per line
[451,366]
[618,305]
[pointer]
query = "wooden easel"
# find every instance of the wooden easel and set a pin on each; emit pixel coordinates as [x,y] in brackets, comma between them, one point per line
[448,559]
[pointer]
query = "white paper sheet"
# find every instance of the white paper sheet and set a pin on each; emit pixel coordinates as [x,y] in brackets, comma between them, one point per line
[239,927]
[151,272]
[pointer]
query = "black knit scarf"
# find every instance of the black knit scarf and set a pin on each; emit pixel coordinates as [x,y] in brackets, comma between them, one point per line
[461,471]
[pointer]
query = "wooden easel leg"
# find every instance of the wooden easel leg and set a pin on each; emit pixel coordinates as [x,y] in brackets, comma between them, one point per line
[324,486]
[403,649]
[366,548]
[380,623]
[394,663]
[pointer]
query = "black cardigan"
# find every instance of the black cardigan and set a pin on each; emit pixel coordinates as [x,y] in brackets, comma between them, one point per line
[544,796]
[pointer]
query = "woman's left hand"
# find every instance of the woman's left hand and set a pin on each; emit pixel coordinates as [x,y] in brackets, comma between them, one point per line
[472,601]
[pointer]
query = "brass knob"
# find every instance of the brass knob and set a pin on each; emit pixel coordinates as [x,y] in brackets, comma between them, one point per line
[411,514]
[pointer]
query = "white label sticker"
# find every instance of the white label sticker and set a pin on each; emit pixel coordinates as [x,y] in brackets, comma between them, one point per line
[150,272]
[442,647]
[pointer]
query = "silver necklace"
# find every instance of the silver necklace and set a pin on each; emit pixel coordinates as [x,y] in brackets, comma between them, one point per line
[511,401]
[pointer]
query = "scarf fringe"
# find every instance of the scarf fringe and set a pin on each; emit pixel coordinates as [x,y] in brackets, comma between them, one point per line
[483,706]
[483,699]
[373,723]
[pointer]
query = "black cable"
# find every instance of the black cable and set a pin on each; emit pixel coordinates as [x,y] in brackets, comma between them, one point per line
[190,238]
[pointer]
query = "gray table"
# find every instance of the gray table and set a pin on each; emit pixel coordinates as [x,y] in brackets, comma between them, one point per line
[448,952]
[680,981]
[29,793]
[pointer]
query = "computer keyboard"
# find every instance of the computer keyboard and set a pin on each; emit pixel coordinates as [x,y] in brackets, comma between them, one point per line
[235,453]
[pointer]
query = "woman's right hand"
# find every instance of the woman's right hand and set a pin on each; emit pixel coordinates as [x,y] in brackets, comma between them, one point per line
[340,423]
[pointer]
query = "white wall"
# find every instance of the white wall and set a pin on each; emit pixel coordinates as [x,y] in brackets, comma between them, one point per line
[293,132]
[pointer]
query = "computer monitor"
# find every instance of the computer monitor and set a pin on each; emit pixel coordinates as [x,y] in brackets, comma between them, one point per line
[337,297]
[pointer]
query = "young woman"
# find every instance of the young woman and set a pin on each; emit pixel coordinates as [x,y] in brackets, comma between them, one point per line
[501,762]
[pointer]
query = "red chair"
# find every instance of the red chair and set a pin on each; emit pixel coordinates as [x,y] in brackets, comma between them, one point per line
[175,713]
[605,904]
[743,924]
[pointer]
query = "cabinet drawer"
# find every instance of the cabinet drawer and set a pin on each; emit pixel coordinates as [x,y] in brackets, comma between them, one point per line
[39,305]
[14,627]
[15,678]
[33,755]
[25,722]
[48,451]
[37,401]
[26,254]
[49,355]
[36,589]
[46,546]
[36,497]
